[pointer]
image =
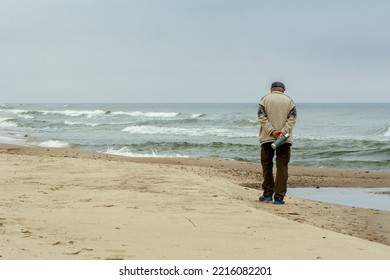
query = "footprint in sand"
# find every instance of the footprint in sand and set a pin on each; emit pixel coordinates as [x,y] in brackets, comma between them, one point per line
[74,253]
[56,188]
[105,205]
[79,251]
[26,233]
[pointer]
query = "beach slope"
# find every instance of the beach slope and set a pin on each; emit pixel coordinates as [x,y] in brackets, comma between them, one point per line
[69,204]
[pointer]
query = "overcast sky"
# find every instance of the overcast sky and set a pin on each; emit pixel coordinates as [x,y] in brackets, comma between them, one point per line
[193,50]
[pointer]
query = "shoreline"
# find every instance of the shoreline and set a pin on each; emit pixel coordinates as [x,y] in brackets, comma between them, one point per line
[232,184]
[299,176]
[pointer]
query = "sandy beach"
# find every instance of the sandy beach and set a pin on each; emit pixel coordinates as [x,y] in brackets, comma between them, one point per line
[60,203]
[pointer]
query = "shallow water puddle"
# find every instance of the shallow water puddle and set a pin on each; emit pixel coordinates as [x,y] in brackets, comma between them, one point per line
[375,198]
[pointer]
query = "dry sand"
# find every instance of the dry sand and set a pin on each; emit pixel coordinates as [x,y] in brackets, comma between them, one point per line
[72,204]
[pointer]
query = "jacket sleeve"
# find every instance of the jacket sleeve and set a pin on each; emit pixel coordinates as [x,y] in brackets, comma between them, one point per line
[263,119]
[291,118]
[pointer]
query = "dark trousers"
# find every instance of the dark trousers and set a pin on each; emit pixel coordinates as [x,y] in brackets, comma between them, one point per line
[277,187]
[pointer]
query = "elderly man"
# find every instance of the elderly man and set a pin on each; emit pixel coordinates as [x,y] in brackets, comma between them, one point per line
[277,114]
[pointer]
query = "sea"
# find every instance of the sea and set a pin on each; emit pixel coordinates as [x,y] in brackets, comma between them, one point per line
[341,135]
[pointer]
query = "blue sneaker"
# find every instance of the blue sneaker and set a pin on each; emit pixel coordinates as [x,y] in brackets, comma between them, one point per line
[279,201]
[265,198]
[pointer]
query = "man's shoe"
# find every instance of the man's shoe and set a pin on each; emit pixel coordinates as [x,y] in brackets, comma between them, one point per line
[279,201]
[265,198]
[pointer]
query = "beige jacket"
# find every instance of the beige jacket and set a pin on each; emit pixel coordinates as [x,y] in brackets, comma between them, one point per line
[276,111]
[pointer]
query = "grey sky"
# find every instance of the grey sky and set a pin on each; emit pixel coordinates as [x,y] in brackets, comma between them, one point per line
[193,50]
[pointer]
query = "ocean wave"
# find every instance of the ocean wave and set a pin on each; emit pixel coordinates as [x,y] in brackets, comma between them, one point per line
[5,123]
[220,132]
[374,137]
[247,122]
[80,123]
[25,116]
[5,119]
[69,113]
[128,153]
[30,114]
[152,145]
[19,113]
[196,116]
[75,113]
[387,133]
[54,144]
[147,114]
[13,138]
[14,111]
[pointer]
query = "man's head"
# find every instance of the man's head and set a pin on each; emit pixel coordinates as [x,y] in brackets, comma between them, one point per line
[278,86]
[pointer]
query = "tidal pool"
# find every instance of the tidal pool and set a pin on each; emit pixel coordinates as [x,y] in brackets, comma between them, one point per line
[359,197]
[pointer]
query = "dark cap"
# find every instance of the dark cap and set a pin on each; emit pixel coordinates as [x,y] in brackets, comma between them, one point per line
[278,84]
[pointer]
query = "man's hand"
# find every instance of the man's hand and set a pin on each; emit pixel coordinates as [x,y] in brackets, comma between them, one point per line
[277,134]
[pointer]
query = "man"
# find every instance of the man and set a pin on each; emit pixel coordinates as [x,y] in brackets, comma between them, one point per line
[277,115]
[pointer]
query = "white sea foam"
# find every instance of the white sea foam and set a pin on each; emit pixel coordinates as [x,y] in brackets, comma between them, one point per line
[7,124]
[195,116]
[378,136]
[80,123]
[4,119]
[127,153]
[387,133]
[148,114]
[12,112]
[25,117]
[253,121]
[143,129]
[12,139]
[53,144]
[74,113]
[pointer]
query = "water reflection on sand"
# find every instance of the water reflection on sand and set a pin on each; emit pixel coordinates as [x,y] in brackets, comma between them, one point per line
[375,198]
